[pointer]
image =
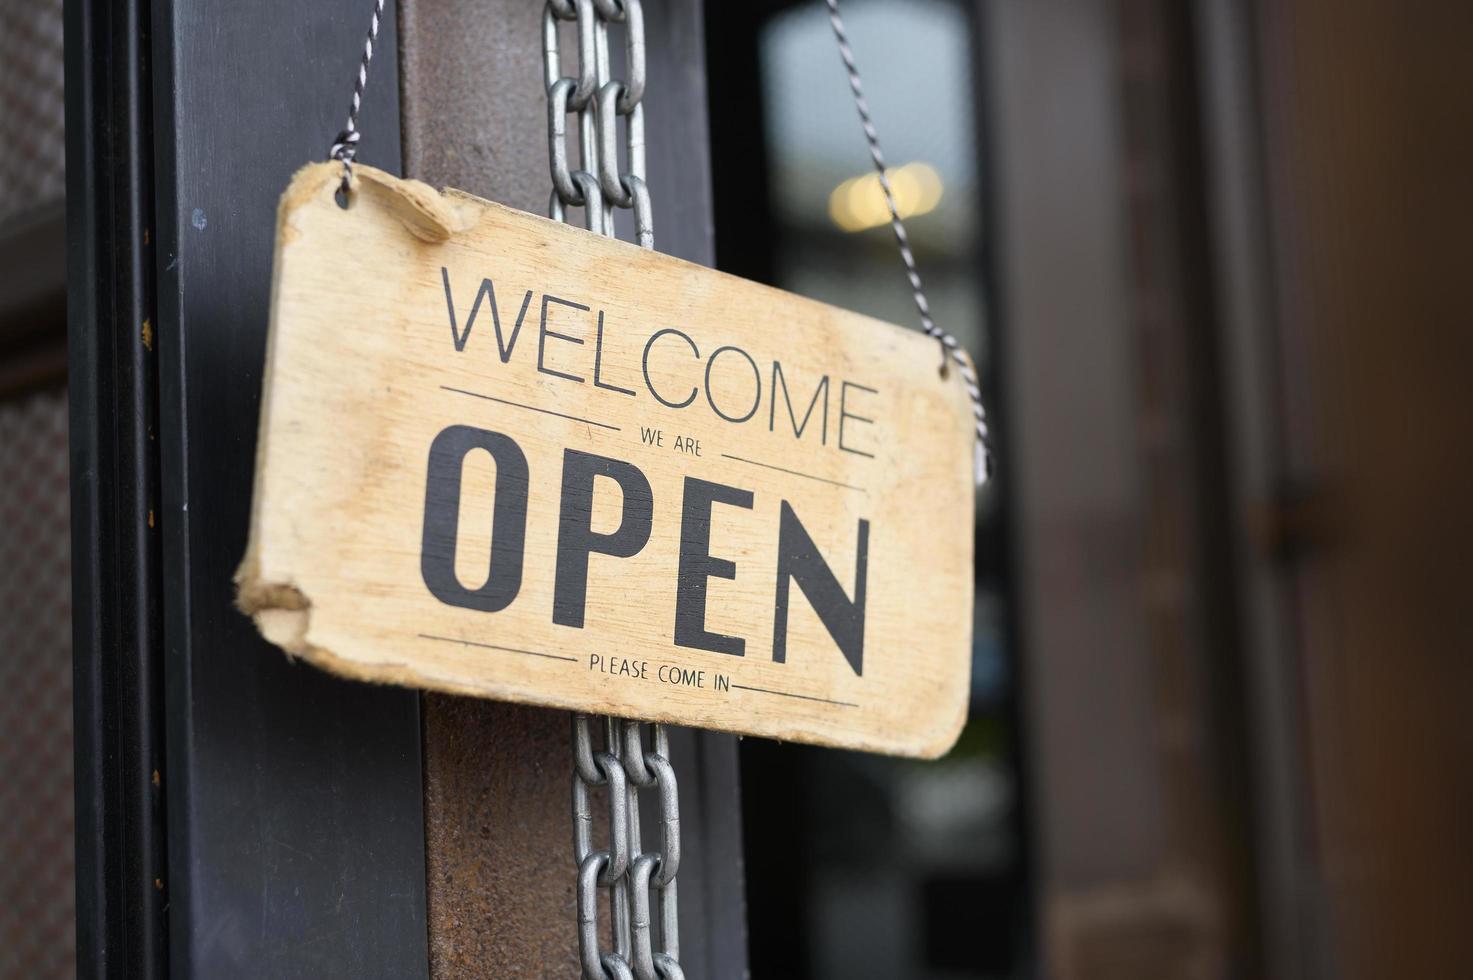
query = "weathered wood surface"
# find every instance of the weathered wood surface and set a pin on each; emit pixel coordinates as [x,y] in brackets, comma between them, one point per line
[504,457]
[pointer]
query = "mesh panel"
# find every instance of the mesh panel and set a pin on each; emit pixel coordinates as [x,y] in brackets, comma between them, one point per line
[36,885]
[32,143]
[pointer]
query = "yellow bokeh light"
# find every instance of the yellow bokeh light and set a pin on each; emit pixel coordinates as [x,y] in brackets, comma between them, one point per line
[859,203]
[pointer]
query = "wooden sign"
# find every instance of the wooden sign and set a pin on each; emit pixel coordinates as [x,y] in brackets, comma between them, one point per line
[505,457]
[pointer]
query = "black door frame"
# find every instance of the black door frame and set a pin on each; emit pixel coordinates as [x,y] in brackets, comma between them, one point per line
[239,815]
[117,686]
[294,835]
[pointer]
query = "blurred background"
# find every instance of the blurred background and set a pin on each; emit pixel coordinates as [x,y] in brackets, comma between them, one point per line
[1213,260]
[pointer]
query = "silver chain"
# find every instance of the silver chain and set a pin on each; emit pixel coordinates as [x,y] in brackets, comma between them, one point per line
[951,348]
[597,186]
[644,947]
[623,768]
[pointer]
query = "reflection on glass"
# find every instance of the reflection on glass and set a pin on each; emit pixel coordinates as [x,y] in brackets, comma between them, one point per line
[859,202]
[901,869]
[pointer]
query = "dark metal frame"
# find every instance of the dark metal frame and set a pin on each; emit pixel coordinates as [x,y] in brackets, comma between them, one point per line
[295,801]
[1230,64]
[237,814]
[294,839]
[998,551]
[115,556]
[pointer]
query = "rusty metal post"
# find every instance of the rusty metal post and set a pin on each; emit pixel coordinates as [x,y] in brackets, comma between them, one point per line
[499,865]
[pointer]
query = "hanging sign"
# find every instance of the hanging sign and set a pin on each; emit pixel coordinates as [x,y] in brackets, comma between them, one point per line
[504,457]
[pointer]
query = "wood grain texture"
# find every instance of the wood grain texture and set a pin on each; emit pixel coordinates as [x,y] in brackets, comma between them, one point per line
[366,369]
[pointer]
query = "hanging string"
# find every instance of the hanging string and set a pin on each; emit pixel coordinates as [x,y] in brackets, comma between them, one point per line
[345,146]
[951,348]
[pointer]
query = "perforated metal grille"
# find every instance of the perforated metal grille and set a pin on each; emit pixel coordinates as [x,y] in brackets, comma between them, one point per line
[32,140]
[37,902]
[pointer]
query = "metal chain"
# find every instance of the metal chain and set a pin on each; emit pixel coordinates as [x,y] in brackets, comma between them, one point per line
[345,145]
[630,874]
[951,348]
[597,185]
[600,187]
[623,767]
[644,948]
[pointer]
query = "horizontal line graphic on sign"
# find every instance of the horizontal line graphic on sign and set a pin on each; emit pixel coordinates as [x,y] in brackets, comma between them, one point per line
[492,646]
[801,697]
[531,408]
[781,469]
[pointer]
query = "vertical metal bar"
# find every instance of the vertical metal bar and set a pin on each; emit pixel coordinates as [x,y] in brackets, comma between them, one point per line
[1228,69]
[118,730]
[295,802]
[475,117]
[999,554]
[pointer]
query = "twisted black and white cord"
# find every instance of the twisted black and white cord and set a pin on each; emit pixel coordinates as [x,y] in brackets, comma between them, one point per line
[345,145]
[951,349]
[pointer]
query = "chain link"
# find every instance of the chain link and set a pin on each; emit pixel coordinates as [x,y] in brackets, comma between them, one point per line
[599,102]
[632,876]
[623,768]
[645,948]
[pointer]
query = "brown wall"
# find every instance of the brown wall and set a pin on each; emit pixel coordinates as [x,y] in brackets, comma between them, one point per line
[1242,476]
[1369,127]
[1104,333]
